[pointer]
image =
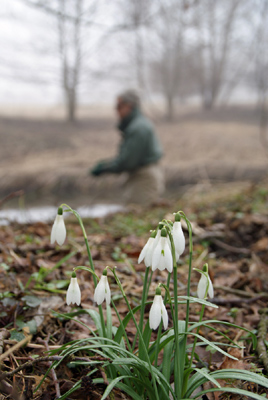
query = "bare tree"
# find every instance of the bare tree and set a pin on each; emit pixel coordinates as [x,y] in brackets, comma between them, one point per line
[215,25]
[168,60]
[261,66]
[72,19]
[70,63]
[136,21]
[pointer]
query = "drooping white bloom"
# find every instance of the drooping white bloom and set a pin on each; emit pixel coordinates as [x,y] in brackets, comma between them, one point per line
[73,292]
[58,232]
[179,239]
[205,286]
[158,311]
[102,291]
[162,257]
[147,252]
[202,287]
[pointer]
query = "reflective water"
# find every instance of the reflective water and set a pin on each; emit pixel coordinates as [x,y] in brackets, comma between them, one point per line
[46,214]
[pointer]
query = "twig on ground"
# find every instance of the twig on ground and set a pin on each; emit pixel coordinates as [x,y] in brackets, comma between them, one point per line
[4,334]
[53,373]
[5,387]
[201,234]
[230,248]
[15,347]
[45,359]
[241,293]
[235,301]
[34,345]
[262,331]
[29,364]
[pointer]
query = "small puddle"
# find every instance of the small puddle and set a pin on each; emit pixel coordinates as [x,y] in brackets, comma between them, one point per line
[47,214]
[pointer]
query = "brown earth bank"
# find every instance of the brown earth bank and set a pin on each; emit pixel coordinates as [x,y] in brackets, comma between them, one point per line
[49,159]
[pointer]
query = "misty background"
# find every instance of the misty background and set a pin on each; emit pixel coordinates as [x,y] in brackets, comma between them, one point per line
[200,67]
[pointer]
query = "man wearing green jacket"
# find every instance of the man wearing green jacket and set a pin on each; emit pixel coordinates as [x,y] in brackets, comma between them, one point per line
[139,153]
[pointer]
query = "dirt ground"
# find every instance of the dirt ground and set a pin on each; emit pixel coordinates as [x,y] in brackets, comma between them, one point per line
[49,159]
[230,233]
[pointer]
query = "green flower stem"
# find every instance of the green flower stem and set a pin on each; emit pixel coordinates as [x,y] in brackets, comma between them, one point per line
[159,332]
[145,291]
[139,332]
[122,325]
[87,269]
[198,328]
[143,299]
[185,383]
[167,296]
[178,371]
[188,292]
[197,332]
[90,260]
[178,358]
[149,283]
[189,226]
[165,223]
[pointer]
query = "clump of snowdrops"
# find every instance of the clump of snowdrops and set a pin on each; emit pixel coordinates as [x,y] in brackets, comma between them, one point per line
[136,368]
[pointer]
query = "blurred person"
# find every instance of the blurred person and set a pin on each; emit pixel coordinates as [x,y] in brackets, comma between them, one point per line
[139,153]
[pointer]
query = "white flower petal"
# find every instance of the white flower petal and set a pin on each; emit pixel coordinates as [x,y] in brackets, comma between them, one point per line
[76,297]
[157,253]
[99,294]
[143,252]
[53,233]
[202,287]
[58,232]
[210,289]
[155,312]
[149,253]
[73,293]
[164,314]
[61,230]
[157,238]
[168,258]
[179,239]
[107,292]
[162,257]
[146,253]
[102,291]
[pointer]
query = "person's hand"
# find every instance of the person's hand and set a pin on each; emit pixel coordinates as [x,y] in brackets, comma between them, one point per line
[97,170]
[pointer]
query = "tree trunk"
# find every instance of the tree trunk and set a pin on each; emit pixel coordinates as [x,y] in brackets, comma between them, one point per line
[208,101]
[169,108]
[71,106]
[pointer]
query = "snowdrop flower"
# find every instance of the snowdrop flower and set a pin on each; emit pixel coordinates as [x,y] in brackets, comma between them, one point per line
[178,237]
[158,236]
[147,251]
[204,287]
[162,257]
[58,232]
[73,292]
[102,291]
[158,311]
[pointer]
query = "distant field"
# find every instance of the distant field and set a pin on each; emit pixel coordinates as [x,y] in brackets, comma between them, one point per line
[50,158]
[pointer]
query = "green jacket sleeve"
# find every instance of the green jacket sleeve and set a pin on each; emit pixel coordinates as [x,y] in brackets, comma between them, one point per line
[130,154]
[139,147]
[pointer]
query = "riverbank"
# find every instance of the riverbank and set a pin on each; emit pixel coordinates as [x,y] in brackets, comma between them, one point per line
[49,159]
